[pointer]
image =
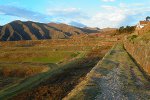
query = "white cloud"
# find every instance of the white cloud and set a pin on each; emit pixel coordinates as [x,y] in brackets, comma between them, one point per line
[116,16]
[108,0]
[107,16]
[110,17]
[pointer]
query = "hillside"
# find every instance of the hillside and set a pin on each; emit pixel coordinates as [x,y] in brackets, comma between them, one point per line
[69,30]
[18,30]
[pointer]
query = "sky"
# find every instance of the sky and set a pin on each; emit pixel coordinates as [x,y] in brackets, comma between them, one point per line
[91,13]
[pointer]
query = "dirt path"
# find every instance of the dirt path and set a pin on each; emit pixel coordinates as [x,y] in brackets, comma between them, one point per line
[124,82]
[116,77]
[111,87]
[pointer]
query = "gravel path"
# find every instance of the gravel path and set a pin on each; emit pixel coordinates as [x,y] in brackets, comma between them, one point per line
[111,87]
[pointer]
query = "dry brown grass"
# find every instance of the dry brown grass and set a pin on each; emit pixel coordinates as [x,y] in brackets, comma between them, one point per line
[21,70]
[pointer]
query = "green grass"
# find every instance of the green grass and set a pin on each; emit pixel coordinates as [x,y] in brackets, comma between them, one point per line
[46,59]
[36,56]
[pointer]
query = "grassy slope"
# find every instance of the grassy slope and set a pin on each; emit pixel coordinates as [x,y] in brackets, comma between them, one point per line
[32,81]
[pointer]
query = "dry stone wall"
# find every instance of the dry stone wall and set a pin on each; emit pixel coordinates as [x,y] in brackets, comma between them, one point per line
[140,51]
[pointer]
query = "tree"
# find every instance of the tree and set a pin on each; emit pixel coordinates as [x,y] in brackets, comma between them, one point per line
[148,18]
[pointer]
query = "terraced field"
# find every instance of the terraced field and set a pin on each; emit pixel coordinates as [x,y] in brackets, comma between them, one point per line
[48,68]
[75,69]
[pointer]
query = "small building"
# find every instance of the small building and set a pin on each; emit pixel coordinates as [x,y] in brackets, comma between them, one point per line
[141,24]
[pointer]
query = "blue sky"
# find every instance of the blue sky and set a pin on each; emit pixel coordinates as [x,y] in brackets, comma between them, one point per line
[92,13]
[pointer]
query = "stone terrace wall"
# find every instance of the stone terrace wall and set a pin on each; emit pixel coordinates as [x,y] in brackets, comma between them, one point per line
[140,51]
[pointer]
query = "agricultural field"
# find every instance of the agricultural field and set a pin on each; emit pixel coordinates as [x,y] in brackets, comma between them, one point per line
[47,67]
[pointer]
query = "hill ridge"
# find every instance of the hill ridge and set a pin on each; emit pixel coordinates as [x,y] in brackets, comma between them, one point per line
[28,30]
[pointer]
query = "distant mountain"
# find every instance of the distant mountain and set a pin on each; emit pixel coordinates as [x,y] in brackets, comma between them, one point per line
[90,30]
[76,24]
[18,30]
[69,30]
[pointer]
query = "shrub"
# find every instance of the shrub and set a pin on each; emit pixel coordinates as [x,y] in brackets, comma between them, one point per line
[75,54]
[127,29]
[132,37]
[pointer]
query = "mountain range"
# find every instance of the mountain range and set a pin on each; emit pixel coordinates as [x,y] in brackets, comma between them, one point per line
[19,30]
